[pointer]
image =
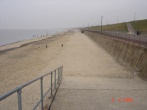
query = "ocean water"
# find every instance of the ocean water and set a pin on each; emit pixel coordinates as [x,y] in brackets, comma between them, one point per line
[11,36]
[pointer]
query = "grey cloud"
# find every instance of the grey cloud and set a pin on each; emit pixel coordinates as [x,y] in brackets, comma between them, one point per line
[67,13]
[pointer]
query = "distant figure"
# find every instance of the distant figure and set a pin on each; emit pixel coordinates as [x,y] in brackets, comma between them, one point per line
[62,45]
[46,46]
[82,31]
[138,33]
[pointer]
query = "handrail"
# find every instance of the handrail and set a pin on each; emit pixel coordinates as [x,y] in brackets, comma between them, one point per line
[139,39]
[19,88]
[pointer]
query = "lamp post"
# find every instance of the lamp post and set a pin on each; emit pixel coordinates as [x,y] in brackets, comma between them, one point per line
[117,20]
[134,16]
[101,24]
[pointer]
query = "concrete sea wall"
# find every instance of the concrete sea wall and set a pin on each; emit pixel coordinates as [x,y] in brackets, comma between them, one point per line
[132,55]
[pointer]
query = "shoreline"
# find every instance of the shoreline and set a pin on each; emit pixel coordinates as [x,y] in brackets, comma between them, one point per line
[19,57]
[20,43]
[17,44]
[27,62]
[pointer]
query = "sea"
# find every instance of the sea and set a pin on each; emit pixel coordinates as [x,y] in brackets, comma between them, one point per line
[8,36]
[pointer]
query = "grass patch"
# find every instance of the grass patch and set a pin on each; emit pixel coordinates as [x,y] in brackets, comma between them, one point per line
[114,27]
[140,25]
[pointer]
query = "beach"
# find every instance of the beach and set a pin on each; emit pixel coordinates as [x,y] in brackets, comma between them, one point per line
[80,57]
[24,61]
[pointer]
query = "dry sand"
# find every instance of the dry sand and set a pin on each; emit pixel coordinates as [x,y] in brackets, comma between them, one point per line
[27,62]
[80,56]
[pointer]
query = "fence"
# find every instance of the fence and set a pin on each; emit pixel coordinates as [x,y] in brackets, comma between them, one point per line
[55,80]
[139,39]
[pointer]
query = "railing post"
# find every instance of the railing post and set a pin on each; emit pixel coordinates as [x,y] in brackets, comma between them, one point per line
[41,87]
[55,80]
[61,71]
[139,40]
[129,38]
[58,76]
[51,83]
[19,99]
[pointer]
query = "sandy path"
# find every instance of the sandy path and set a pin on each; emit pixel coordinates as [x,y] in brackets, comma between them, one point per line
[131,29]
[83,57]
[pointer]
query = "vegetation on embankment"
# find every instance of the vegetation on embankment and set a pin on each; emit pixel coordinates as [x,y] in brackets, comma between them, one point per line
[140,25]
[114,27]
[130,54]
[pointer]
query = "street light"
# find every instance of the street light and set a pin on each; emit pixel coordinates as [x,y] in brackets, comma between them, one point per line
[134,16]
[101,23]
[117,20]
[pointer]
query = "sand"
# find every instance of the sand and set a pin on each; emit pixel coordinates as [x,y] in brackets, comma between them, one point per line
[25,63]
[79,55]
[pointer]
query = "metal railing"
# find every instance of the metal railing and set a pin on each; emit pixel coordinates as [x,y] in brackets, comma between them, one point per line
[139,39]
[53,87]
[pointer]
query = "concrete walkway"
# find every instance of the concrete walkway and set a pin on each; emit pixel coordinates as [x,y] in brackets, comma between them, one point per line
[93,80]
[84,93]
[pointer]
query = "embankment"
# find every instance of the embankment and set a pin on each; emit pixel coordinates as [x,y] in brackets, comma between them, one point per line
[130,54]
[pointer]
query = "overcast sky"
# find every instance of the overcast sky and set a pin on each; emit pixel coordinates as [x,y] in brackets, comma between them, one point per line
[46,14]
